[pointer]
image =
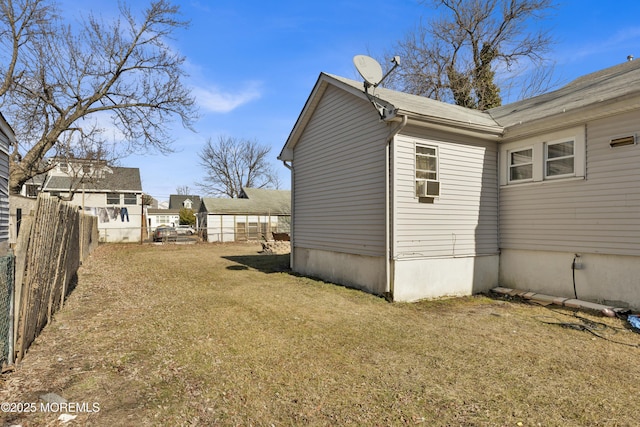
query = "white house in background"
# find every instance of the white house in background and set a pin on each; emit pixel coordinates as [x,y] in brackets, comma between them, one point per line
[157,217]
[412,198]
[113,194]
[252,216]
[7,139]
[33,186]
[171,215]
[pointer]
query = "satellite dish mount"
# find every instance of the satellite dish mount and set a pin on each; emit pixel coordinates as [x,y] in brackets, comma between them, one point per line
[371,72]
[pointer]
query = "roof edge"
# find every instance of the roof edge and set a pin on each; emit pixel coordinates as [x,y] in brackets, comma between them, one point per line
[577,116]
[454,126]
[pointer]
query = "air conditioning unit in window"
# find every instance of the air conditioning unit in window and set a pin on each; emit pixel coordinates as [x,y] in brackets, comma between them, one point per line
[430,189]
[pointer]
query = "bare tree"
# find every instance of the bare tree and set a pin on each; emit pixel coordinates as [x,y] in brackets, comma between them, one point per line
[183,190]
[65,86]
[457,56]
[232,163]
[148,200]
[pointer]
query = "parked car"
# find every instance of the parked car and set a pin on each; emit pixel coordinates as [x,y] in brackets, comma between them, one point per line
[165,234]
[185,229]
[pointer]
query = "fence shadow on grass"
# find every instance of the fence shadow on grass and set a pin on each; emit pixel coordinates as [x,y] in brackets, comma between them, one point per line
[261,262]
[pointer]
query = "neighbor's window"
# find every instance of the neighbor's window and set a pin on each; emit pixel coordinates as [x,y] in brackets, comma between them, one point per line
[426,167]
[113,198]
[560,157]
[130,199]
[32,190]
[521,165]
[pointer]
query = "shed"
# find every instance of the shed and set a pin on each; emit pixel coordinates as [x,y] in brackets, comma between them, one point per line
[253,216]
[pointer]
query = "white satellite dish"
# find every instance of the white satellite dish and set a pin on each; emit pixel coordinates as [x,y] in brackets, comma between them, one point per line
[369,69]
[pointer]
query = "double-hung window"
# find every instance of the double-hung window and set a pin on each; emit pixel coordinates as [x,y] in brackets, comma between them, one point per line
[113,198]
[521,165]
[130,198]
[559,159]
[555,156]
[427,184]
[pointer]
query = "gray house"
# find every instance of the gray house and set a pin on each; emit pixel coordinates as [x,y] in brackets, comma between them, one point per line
[412,198]
[7,139]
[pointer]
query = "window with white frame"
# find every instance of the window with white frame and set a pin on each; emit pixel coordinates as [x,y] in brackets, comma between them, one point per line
[130,199]
[521,165]
[559,159]
[113,198]
[426,171]
[554,156]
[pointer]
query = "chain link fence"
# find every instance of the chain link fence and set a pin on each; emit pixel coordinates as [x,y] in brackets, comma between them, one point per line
[6,308]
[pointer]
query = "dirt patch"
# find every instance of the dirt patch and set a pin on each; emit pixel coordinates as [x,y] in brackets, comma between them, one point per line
[222,335]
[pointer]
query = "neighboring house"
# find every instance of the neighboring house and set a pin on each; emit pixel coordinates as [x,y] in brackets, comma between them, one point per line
[157,217]
[113,194]
[171,215]
[33,186]
[7,139]
[24,204]
[252,216]
[181,201]
[413,198]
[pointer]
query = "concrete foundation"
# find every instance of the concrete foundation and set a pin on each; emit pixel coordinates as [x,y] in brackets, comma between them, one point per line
[355,271]
[417,279]
[605,279]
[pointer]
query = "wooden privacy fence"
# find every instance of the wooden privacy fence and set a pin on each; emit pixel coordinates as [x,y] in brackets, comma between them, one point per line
[49,250]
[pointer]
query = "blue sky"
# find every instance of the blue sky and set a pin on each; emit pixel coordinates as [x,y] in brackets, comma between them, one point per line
[252,64]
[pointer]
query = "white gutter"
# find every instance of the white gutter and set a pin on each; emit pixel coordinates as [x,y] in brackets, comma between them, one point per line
[388,228]
[476,130]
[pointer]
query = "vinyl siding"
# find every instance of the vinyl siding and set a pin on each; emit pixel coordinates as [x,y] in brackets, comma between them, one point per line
[599,214]
[339,178]
[4,188]
[463,221]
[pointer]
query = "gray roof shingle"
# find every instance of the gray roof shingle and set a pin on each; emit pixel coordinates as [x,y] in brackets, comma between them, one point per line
[120,179]
[612,83]
[426,108]
[258,202]
[176,200]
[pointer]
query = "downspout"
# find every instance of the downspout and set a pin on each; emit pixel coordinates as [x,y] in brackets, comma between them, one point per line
[387,198]
[291,234]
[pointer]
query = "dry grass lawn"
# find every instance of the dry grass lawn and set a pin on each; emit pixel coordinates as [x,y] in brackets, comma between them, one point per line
[220,335]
